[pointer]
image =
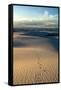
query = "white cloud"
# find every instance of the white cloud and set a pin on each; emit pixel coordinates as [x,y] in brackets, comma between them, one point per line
[46,13]
[43,20]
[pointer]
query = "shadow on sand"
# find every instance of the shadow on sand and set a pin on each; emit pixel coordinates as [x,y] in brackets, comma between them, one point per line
[52,39]
[19,44]
[54,42]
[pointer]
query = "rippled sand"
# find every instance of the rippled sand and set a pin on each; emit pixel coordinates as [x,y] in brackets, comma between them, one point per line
[34,65]
[35,60]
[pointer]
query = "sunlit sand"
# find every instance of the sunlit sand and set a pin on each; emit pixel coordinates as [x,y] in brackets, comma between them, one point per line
[35,64]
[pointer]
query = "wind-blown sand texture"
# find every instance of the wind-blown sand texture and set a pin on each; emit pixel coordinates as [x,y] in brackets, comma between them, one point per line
[35,59]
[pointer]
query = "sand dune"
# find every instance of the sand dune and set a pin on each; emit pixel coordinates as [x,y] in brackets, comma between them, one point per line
[35,65]
[35,59]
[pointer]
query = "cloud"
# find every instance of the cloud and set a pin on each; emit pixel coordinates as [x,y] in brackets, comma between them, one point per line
[43,20]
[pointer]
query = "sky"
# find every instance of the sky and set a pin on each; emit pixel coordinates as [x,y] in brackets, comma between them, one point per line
[27,16]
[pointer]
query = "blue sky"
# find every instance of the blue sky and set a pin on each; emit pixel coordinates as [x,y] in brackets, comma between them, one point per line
[28,13]
[33,11]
